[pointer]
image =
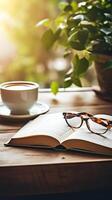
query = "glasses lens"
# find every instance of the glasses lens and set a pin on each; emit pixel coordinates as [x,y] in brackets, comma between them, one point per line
[99,128]
[75,121]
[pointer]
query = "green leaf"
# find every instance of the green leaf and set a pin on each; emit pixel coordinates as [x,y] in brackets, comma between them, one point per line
[63,39]
[44,22]
[57,34]
[48,39]
[93,13]
[68,8]
[80,66]
[67,82]
[74,20]
[106,31]
[74,5]
[83,65]
[73,37]
[77,40]
[90,26]
[87,23]
[76,81]
[78,18]
[69,73]
[54,87]
[75,61]
[83,35]
[108,65]
[60,20]
[77,45]
[62,5]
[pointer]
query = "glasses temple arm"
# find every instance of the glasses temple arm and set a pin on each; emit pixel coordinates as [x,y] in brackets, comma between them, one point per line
[109,121]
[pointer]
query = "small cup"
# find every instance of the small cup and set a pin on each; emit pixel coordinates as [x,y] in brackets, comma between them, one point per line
[19,96]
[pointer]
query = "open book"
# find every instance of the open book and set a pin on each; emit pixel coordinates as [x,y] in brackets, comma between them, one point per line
[51,131]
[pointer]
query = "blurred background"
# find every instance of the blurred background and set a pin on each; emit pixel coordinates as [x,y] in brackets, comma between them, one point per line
[22,55]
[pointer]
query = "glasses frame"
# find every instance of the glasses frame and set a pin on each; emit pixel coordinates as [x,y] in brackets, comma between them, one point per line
[85,117]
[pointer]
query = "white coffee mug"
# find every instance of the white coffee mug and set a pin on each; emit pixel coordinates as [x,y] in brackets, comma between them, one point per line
[19,96]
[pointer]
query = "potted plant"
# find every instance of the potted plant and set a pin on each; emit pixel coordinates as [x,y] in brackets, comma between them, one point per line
[84,28]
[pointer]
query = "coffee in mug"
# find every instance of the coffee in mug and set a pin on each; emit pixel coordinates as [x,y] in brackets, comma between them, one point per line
[19,96]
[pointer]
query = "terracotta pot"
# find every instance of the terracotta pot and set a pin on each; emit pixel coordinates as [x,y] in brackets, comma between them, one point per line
[104,76]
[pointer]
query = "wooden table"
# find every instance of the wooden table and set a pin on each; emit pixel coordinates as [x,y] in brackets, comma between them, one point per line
[27,171]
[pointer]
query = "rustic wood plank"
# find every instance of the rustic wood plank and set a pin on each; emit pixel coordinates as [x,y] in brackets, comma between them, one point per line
[32,171]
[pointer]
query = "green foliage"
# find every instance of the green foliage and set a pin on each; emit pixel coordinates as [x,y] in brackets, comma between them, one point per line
[79,67]
[49,38]
[54,87]
[45,22]
[86,26]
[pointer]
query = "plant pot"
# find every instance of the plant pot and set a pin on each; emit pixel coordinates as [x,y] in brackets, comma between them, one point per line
[104,77]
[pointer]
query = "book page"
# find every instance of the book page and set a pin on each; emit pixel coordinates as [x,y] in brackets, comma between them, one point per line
[52,125]
[84,134]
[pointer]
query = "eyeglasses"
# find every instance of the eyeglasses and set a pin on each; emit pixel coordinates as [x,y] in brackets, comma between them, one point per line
[94,124]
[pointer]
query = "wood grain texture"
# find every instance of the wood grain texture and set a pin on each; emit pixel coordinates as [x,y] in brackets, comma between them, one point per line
[27,171]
